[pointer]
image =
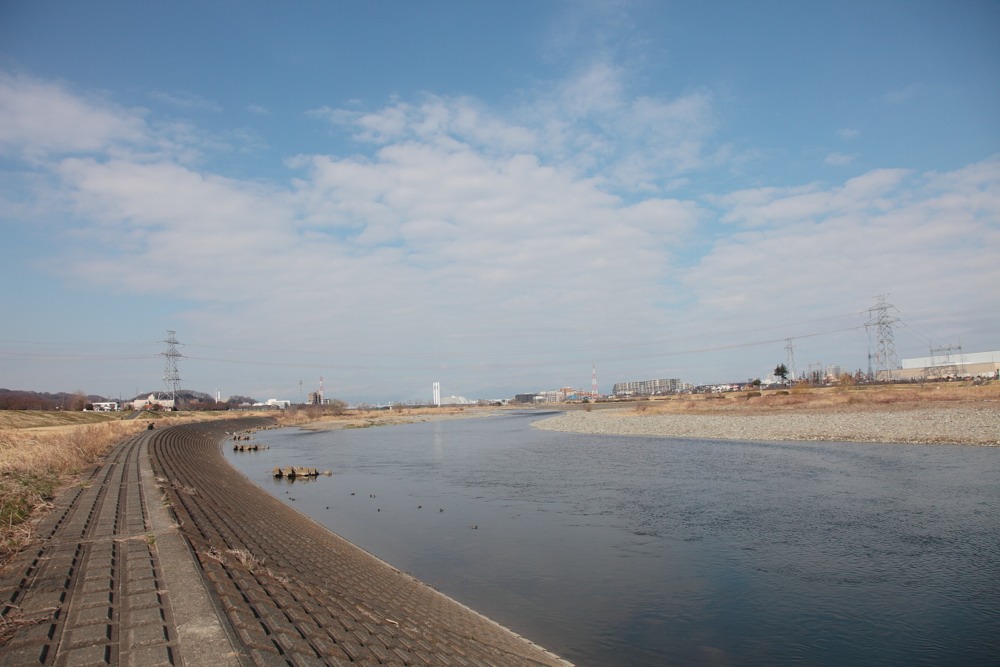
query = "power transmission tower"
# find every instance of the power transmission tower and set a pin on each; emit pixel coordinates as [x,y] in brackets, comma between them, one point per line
[171,377]
[816,376]
[949,366]
[885,350]
[790,364]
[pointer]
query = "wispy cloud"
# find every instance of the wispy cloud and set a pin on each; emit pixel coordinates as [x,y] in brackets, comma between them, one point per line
[886,230]
[901,95]
[839,159]
[39,118]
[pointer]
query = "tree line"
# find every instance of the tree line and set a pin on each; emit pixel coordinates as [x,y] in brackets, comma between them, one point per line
[17,399]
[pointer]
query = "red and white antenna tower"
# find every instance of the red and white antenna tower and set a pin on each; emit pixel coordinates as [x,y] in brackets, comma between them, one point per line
[593,381]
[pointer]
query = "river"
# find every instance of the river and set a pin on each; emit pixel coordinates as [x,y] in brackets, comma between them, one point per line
[660,551]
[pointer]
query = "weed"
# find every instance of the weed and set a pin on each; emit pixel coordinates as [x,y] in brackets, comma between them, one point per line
[14,621]
[214,554]
[247,559]
[280,578]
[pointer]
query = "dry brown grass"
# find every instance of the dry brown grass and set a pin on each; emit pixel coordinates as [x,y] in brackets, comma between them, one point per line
[43,451]
[34,462]
[42,418]
[830,399]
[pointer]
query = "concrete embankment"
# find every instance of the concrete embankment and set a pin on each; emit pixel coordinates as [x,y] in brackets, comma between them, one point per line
[270,585]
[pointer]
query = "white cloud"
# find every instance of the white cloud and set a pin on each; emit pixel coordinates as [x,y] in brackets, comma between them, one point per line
[589,123]
[780,206]
[839,159]
[636,142]
[926,239]
[38,118]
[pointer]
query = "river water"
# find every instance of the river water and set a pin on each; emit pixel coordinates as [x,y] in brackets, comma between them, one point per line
[659,551]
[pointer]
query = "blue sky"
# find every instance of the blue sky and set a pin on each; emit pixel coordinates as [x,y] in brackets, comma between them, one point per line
[494,196]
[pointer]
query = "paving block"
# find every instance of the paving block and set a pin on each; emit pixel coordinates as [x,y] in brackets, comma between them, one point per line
[87,656]
[142,635]
[147,656]
[87,635]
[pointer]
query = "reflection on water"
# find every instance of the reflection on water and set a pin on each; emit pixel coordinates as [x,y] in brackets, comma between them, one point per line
[648,551]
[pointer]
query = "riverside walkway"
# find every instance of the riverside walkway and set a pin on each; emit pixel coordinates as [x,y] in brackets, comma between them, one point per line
[166,555]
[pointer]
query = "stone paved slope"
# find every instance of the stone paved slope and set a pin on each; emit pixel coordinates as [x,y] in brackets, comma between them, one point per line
[103,589]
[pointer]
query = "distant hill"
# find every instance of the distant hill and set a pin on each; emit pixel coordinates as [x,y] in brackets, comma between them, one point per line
[18,399]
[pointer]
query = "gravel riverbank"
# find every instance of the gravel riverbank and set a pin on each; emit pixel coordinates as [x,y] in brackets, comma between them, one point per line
[941,425]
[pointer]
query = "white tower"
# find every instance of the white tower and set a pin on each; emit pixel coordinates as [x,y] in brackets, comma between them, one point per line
[436,387]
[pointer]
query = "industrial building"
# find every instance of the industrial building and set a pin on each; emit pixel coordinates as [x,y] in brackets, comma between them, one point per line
[952,363]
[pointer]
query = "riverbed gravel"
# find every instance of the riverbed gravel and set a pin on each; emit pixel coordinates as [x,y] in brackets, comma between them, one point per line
[939,425]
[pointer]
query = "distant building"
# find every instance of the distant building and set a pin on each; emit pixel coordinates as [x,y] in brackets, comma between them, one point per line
[436,393]
[273,404]
[153,401]
[648,387]
[106,407]
[949,365]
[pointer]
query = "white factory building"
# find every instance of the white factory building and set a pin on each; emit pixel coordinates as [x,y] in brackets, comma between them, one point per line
[952,364]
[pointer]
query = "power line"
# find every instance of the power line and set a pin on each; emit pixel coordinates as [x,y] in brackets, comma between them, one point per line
[525,364]
[39,356]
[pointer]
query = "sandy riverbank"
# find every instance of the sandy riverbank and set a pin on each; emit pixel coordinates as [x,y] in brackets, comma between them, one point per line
[388,417]
[962,424]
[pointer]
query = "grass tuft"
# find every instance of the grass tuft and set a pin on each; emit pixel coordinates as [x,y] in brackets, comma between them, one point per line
[247,559]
